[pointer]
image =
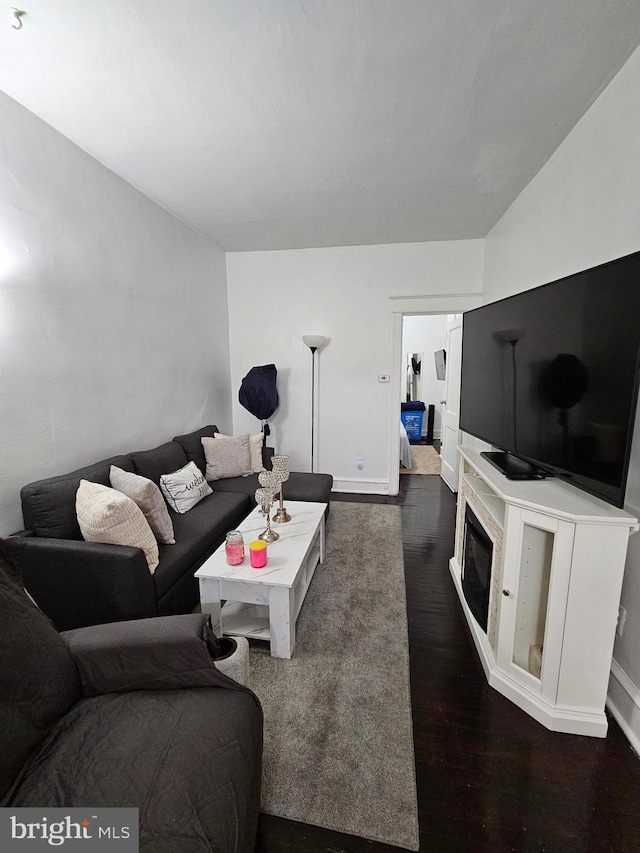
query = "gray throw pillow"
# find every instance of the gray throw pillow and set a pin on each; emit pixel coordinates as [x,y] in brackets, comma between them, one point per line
[227,457]
[255,450]
[149,498]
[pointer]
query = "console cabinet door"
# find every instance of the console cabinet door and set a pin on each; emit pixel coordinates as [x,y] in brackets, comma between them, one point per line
[537,559]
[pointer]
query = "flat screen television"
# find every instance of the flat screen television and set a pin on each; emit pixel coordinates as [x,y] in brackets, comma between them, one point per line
[550,378]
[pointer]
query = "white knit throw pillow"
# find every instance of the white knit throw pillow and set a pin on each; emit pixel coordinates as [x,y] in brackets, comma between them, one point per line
[106,515]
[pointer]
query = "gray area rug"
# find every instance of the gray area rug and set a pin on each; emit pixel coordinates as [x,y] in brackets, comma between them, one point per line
[338,729]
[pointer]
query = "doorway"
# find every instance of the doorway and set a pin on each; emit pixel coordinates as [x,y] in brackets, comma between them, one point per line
[424,354]
[414,306]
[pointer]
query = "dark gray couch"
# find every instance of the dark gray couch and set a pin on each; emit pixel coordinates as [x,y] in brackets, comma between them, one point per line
[78,583]
[133,715]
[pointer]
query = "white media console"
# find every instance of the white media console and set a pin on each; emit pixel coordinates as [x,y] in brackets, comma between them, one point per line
[557,563]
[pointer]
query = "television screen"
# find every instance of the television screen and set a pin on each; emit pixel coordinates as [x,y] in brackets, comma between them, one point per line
[551,374]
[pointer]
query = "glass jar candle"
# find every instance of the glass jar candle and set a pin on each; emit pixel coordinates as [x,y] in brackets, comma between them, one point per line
[258,554]
[234,547]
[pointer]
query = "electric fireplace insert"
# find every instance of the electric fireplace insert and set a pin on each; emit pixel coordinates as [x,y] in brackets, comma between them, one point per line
[476,568]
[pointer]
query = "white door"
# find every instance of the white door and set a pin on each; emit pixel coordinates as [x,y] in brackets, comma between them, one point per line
[451,403]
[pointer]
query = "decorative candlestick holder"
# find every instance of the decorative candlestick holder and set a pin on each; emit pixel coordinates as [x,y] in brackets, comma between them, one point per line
[280,467]
[264,497]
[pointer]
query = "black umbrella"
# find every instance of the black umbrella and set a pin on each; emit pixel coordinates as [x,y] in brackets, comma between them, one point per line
[259,394]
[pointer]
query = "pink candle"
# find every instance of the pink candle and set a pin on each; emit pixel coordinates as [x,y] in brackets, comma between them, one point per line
[258,554]
[234,547]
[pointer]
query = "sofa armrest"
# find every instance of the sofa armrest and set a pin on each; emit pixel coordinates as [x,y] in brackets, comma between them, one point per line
[165,652]
[77,583]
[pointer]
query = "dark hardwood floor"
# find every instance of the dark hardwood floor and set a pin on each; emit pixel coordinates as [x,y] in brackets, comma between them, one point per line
[489,777]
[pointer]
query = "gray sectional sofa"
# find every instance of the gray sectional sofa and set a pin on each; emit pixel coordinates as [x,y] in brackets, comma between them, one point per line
[79,583]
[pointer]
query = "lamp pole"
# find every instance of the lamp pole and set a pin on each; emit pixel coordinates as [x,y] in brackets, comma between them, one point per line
[313,400]
[314,342]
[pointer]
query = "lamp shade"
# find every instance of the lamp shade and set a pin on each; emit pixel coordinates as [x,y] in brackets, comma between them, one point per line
[314,342]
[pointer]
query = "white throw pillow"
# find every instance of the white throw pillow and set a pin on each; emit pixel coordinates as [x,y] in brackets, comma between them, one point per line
[107,515]
[184,488]
[227,457]
[149,498]
[255,450]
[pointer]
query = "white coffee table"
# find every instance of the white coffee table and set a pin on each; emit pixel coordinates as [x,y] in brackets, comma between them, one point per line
[264,603]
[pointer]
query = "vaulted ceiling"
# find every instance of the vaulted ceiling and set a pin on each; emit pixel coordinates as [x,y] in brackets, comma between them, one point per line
[268,124]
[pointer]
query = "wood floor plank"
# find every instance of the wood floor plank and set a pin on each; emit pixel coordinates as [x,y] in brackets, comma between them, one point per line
[490,779]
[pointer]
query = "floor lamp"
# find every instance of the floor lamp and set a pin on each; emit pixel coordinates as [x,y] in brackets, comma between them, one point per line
[314,342]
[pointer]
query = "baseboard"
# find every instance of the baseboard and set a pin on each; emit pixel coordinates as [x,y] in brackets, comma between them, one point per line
[361,486]
[623,700]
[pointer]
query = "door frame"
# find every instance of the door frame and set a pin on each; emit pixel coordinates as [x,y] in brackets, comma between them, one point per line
[401,306]
[450,469]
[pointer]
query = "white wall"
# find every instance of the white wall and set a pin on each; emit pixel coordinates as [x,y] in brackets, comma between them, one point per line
[342,293]
[426,334]
[583,209]
[113,318]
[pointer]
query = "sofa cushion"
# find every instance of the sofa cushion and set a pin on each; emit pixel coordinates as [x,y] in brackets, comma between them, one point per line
[192,445]
[227,457]
[196,532]
[158,461]
[39,681]
[149,498]
[161,653]
[308,487]
[238,485]
[189,760]
[49,506]
[299,487]
[107,515]
[184,488]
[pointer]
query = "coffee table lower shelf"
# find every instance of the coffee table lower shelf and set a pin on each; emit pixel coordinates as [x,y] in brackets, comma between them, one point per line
[246,620]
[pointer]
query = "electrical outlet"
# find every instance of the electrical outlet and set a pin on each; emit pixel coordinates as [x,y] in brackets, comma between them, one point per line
[359,463]
[622,618]
[384,377]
